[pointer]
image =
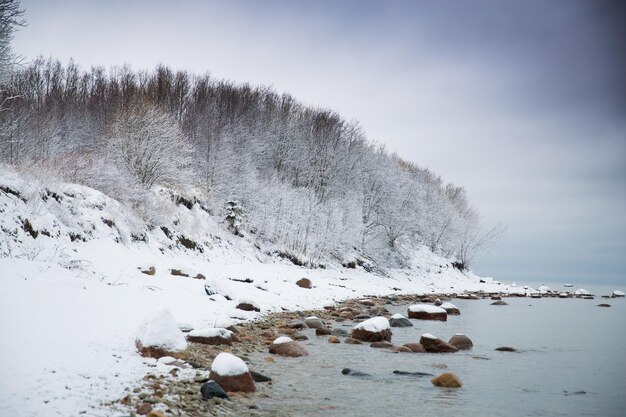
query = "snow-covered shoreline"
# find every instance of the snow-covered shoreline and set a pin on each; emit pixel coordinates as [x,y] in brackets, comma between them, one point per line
[74,294]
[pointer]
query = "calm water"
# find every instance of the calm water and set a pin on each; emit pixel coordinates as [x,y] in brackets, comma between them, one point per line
[565,346]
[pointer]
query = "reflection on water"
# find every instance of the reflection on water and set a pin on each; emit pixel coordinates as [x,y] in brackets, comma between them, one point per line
[565,346]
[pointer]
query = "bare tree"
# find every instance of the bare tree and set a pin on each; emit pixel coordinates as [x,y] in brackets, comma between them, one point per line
[149,144]
[10,19]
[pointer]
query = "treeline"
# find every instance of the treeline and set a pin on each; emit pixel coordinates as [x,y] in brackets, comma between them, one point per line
[308,181]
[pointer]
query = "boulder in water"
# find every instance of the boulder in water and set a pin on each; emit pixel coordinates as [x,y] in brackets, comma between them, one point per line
[499,303]
[415,347]
[286,346]
[461,341]
[617,293]
[433,344]
[398,320]
[313,322]
[447,380]
[505,349]
[372,330]
[451,309]
[427,312]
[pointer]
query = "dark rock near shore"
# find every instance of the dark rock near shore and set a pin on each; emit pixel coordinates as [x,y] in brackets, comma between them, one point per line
[604,305]
[366,336]
[234,383]
[334,339]
[505,349]
[351,341]
[351,372]
[412,373]
[296,324]
[313,322]
[212,389]
[259,377]
[499,303]
[400,322]
[424,312]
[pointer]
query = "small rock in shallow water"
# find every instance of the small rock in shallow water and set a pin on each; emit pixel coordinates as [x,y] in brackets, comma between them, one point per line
[400,321]
[351,341]
[447,380]
[506,349]
[415,347]
[351,372]
[499,303]
[323,331]
[412,373]
[382,345]
[212,389]
[339,332]
[604,305]
[334,339]
[313,322]
[259,377]
[461,342]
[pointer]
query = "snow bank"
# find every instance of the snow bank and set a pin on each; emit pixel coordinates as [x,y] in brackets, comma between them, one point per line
[426,308]
[375,324]
[282,339]
[161,330]
[227,364]
[211,332]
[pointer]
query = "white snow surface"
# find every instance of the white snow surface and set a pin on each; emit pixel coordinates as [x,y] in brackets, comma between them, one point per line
[281,340]
[161,330]
[429,336]
[447,305]
[211,332]
[398,316]
[227,364]
[618,293]
[79,283]
[582,291]
[375,324]
[426,308]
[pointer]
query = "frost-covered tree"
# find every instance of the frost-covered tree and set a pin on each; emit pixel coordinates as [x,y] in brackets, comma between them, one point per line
[233,215]
[148,143]
[11,17]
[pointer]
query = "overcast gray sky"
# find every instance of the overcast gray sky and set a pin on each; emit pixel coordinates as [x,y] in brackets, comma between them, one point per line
[521,102]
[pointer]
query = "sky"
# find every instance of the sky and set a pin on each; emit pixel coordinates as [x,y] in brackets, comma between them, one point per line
[522,103]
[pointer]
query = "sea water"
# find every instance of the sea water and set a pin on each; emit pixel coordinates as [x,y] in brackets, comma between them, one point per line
[570,361]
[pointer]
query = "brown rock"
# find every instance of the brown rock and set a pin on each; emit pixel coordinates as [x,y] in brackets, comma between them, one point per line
[366,336]
[402,349]
[447,380]
[381,345]
[236,383]
[178,273]
[143,408]
[304,283]
[199,276]
[415,347]
[351,341]
[323,331]
[436,345]
[461,342]
[346,315]
[156,413]
[154,351]
[247,307]
[291,349]
[334,339]
[213,340]
[424,315]
[499,303]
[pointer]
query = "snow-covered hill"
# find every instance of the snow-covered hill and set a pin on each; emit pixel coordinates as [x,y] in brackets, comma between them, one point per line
[72,290]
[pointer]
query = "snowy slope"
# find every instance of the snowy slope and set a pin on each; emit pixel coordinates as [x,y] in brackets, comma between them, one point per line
[73,295]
